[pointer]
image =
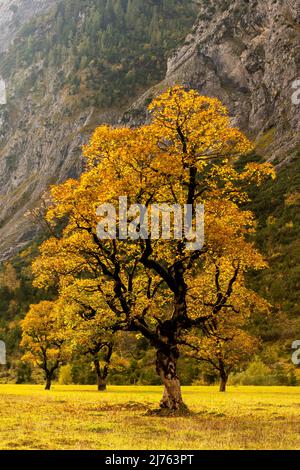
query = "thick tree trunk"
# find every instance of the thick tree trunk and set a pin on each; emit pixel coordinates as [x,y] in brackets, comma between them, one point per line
[101,378]
[101,383]
[223,381]
[49,372]
[102,375]
[223,384]
[166,361]
[48,383]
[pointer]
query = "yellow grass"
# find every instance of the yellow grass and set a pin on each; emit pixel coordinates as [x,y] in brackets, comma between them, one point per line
[78,417]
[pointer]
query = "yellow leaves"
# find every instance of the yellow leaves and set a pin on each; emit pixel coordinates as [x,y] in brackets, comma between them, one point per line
[29,357]
[62,257]
[187,154]
[61,196]
[180,107]
[42,334]
[257,173]
[230,344]
[196,127]
[226,227]
[104,142]
[119,363]
[292,199]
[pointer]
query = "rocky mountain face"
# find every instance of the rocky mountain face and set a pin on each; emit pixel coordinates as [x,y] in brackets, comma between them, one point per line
[35,153]
[247,53]
[14,14]
[54,76]
[244,52]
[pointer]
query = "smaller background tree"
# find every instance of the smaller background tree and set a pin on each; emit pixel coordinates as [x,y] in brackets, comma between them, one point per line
[43,339]
[90,340]
[225,344]
[88,329]
[225,350]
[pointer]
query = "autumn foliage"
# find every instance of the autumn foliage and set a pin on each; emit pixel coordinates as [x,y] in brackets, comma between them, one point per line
[44,339]
[158,288]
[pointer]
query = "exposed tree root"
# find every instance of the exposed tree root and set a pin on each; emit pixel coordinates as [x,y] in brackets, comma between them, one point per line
[170,413]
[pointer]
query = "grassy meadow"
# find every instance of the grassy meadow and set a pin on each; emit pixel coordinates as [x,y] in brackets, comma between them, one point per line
[79,417]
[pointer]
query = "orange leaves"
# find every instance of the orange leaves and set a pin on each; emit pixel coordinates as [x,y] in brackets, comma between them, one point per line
[179,107]
[186,155]
[197,127]
[61,197]
[104,142]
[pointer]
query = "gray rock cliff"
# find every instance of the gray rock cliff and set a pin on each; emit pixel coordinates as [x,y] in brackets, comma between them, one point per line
[247,53]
